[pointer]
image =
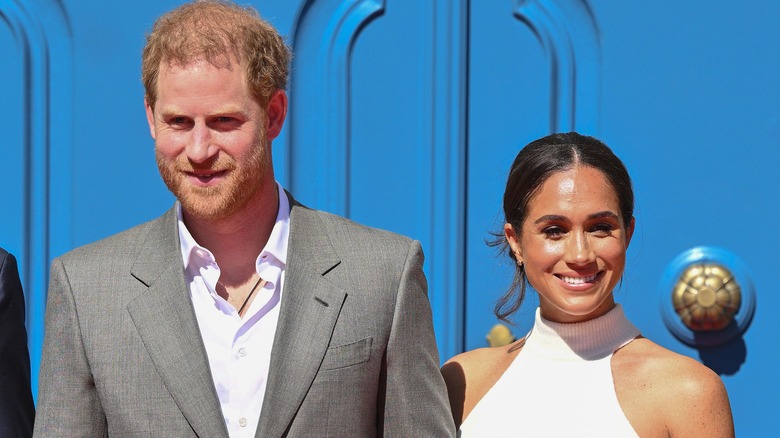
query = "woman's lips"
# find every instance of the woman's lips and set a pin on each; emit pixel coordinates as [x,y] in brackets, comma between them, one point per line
[578,280]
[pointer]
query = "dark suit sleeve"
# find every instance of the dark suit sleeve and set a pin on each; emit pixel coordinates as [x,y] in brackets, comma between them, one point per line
[68,403]
[16,404]
[415,397]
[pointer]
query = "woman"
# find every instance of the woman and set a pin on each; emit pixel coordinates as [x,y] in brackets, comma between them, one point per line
[584,369]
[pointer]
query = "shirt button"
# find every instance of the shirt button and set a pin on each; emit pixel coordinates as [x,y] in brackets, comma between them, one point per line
[242,351]
[242,422]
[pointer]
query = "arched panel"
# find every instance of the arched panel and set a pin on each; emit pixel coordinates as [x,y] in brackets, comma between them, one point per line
[569,36]
[377,128]
[42,190]
[446,90]
[533,69]
[13,117]
[323,37]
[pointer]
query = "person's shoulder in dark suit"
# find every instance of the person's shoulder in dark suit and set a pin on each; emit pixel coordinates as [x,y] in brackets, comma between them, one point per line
[16,404]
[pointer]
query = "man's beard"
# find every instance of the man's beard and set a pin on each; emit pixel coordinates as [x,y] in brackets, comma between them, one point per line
[220,201]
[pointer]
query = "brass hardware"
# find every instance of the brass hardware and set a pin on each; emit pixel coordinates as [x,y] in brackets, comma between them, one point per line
[500,335]
[706,297]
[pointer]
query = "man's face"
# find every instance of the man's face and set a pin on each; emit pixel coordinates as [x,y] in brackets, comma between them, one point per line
[210,138]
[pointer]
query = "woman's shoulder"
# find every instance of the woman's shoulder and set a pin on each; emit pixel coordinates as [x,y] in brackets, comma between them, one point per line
[470,375]
[644,359]
[687,395]
[481,357]
[482,364]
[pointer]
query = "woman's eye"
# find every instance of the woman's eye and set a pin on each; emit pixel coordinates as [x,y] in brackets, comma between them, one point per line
[554,232]
[604,229]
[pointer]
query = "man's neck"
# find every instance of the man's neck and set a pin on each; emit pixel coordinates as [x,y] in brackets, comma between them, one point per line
[237,240]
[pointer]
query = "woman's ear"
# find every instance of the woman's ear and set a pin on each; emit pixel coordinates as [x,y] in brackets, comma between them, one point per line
[630,230]
[514,242]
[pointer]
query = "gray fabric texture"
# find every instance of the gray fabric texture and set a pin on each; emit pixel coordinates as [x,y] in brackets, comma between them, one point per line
[354,353]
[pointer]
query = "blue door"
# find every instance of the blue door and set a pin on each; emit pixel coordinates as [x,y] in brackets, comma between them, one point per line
[686,95]
[372,131]
[406,115]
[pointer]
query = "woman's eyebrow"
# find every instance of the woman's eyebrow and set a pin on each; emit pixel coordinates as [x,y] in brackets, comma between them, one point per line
[604,214]
[561,218]
[551,218]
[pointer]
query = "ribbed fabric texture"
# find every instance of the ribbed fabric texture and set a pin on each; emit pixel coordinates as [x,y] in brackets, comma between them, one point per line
[559,385]
[589,340]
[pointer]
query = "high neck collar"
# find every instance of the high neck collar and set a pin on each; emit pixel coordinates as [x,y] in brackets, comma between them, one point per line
[588,340]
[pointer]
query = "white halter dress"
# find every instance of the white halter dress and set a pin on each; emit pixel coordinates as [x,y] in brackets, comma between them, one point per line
[559,385]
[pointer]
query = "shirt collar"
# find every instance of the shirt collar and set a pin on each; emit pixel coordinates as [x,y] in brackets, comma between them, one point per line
[277,241]
[276,245]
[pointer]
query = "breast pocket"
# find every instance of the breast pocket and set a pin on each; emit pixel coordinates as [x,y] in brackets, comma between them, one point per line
[342,356]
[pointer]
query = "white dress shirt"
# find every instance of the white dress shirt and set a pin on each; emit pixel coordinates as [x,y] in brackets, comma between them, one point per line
[239,349]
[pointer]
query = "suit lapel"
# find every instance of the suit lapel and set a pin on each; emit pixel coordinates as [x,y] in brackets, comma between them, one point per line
[309,310]
[166,323]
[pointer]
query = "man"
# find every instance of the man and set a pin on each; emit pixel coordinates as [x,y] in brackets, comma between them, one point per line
[239,312]
[16,403]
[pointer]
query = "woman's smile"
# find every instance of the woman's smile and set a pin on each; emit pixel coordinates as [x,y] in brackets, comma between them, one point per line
[579,280]
[573,244]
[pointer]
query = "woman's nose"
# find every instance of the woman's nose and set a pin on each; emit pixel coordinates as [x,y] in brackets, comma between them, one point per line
[579,249]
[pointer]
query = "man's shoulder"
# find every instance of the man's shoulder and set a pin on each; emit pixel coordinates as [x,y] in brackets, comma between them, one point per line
[345,231]
[120,245]
[4,256]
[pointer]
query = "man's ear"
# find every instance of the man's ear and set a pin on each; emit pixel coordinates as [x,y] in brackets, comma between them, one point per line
[150,118]
[514,242]
[276,112]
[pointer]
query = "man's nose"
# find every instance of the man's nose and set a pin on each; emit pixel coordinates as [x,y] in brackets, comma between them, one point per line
[200,147]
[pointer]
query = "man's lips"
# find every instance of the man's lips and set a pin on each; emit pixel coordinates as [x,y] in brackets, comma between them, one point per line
[205,176]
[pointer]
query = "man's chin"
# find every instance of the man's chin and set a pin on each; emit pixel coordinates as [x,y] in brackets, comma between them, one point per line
[212,203]
[205,213]
[210,208]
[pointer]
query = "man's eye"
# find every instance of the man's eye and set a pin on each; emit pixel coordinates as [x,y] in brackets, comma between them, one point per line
[225,123]
[177,120]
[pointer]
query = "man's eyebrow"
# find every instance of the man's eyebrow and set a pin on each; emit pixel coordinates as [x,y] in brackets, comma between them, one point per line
[227,109]
[169,111]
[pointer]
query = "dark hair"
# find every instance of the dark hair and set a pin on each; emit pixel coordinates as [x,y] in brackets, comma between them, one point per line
[534,164]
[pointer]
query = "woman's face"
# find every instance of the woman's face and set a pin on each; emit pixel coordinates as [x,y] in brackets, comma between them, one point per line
[573,244]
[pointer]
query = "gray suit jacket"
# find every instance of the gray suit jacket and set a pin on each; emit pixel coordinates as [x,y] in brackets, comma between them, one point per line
[354,352]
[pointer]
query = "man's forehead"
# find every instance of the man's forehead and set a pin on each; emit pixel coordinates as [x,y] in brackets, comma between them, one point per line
[220,62]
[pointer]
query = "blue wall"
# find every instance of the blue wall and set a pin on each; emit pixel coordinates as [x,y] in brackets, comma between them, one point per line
[406,115]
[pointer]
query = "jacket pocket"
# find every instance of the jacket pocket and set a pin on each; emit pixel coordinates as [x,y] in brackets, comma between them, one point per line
[346,355]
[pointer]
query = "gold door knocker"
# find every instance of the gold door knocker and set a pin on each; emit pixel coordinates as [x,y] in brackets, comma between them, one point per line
[706,297]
